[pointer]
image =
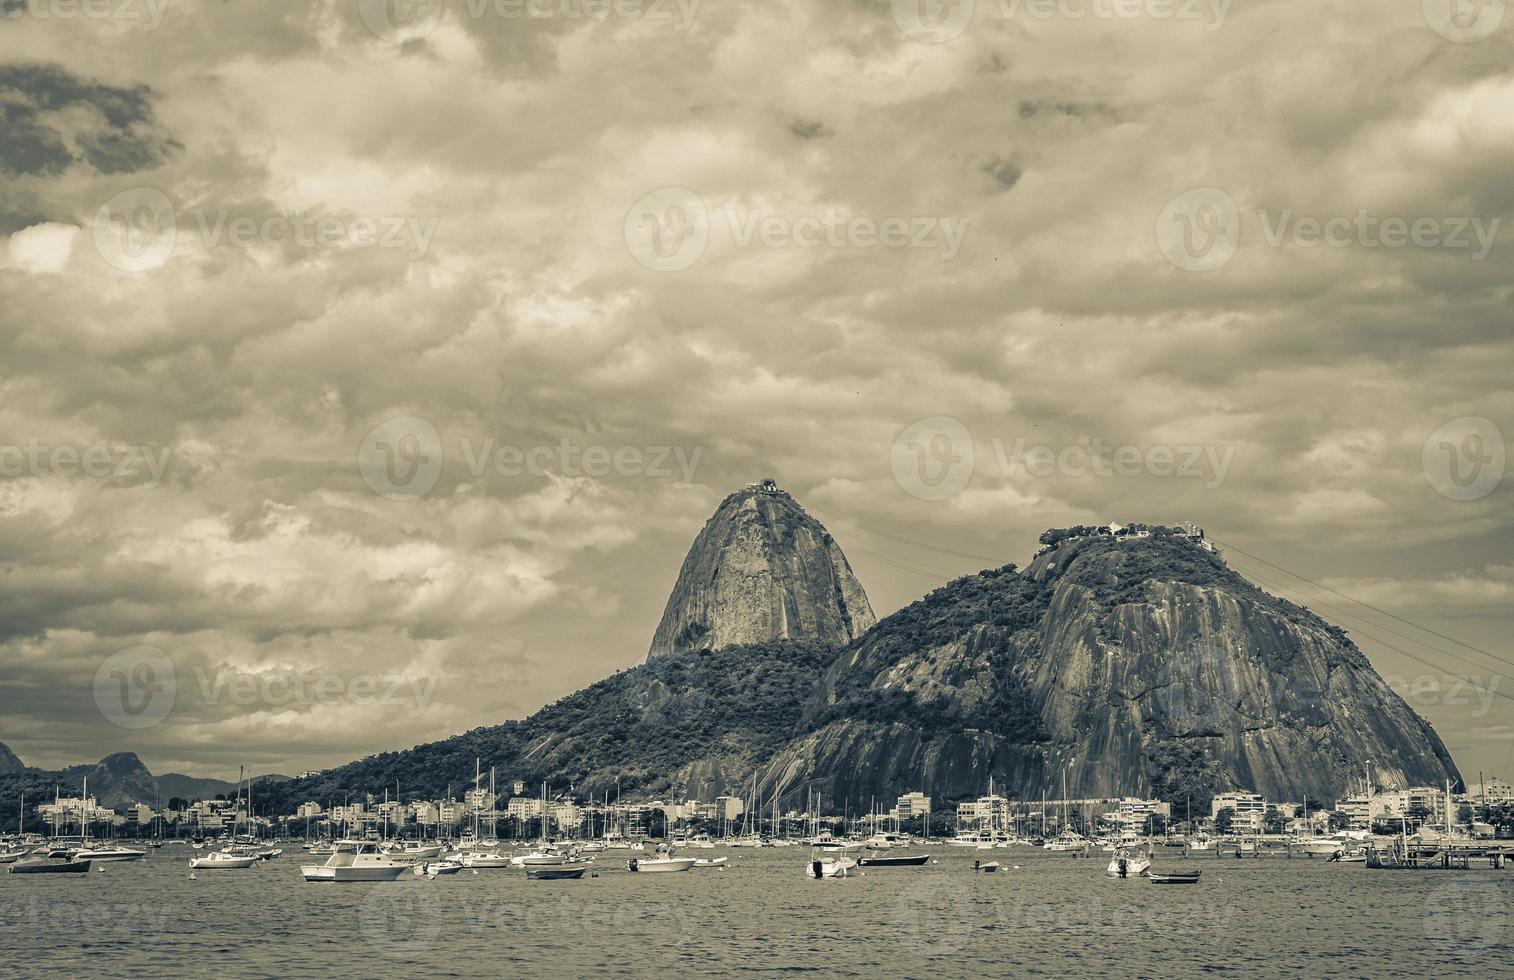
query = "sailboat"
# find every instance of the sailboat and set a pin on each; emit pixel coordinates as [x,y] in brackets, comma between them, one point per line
[87,853]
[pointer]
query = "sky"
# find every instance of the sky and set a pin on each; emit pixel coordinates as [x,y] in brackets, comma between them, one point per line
[368,368]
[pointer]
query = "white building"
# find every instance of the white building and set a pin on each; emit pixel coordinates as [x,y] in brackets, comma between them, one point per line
[985,813]
[1249,810]
[912,805]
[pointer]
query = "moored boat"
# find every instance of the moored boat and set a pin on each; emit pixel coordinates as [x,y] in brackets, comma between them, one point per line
[556,872]
[222,861]
[893,860]
[1174,877]
[659,865]
[36,866]
[355,860]
[102,854]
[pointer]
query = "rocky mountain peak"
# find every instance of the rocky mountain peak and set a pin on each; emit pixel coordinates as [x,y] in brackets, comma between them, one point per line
[762,569]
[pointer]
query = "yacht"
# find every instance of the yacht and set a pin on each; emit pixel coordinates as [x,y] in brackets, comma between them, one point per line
[109,854]
[659,865]
[483,859]
[222,861]
[821,866]
[973,839]
[355,860]
[1066,842]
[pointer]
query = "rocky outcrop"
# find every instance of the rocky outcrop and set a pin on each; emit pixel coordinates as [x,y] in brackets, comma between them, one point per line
[120,781]
[9,762]
[762,569]
[1124,667]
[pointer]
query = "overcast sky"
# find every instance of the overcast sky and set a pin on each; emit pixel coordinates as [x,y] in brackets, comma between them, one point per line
[365,379]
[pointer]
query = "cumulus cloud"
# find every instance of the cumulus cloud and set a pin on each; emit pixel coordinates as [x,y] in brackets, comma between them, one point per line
[243,238]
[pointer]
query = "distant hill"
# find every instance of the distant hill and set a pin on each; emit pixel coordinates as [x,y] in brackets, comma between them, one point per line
[9,762]
[684,725]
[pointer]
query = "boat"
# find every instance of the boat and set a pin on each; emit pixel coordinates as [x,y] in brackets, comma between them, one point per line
[701,840]
[1357,855]
[102,854]
[893,860]
[355,860]
[222,861]
[657,865]
[990,868]
[1174,877]
[10,857]
[719,862]
[557,872]
[483,859]
[36,866]
[1201,842]
[1128,866]
[430,869]
[971,840]
[417,851]
[829,867]
[1323,846]
[1067,842]
[541,857]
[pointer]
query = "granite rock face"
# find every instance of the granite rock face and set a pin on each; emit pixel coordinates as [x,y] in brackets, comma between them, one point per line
[762,569]
[1138,667]
[9,762]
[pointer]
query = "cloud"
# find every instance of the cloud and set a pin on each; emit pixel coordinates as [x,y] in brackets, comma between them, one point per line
[261,361]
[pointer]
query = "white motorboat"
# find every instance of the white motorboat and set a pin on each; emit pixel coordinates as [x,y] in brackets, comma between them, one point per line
[1128,866]
[484,859]
[719,862]
[417,851]
[989,868]
[355,860]
[100,854]
[430,869]
[821,866]
[701,840]
[222,861]
[540,858]
[971,840]
[1066,842]
[659,865]
[1323,846]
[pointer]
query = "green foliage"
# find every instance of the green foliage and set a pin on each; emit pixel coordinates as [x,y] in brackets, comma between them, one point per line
[637,728]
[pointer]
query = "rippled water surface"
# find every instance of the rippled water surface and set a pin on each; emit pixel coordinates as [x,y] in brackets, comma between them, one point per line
[1053,915]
